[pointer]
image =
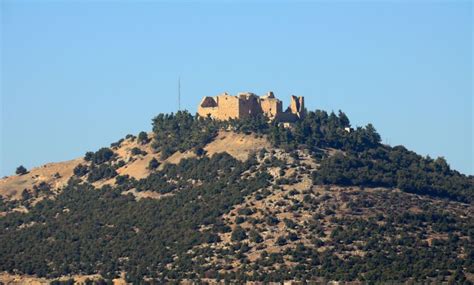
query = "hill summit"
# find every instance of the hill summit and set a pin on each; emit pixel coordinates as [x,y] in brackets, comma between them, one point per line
[240,199]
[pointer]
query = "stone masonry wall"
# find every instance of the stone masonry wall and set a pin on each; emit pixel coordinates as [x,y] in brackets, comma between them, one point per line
[249,106]
[225,106]
[228,107]
[271,107]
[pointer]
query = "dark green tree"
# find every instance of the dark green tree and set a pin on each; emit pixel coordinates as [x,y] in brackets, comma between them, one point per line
[21,170]
[238,234]
[153,164]
[143,138]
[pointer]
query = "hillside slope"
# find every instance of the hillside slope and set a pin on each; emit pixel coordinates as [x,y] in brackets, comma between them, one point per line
[56,175]
[241,201]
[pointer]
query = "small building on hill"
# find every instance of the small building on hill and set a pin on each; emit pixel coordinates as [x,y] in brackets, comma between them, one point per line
[244,105]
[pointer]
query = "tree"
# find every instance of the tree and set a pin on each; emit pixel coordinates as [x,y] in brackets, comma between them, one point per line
[200,151]
[81,170]
[121,179]
[25,195]
[255,236]
[238,234]
[344,120]
[21,170]
[153,164]
[143,138]
[372,135]
[102,155]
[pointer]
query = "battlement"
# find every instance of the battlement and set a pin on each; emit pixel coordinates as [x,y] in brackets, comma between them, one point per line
[247,104]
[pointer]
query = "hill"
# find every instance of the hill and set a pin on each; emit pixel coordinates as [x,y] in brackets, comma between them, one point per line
[241,200]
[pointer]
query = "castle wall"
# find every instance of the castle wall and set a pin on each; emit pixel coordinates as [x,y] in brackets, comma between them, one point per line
[208,106]
[271,107]
[228,107]
[286,117]
[224,107]
[249,106]
[208,111]
[297,106]
[294,104]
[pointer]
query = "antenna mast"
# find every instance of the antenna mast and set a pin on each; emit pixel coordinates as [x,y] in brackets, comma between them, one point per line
[179,93]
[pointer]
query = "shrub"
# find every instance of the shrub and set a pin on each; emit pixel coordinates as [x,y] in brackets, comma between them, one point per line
[245,211]
[121,179]
[119,164]
[281,241]
[272,221]
[292,236]
[239,220]
[138,151]
[116,144]
[289,223]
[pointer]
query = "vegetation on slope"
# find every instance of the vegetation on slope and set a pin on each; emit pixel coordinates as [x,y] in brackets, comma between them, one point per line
[255,220]
[85,230]
[364,161]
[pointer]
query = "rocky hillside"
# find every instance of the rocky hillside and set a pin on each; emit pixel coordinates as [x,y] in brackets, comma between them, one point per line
[240,200]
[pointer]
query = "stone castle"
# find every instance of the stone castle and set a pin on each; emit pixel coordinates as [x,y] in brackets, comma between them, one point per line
[225,106]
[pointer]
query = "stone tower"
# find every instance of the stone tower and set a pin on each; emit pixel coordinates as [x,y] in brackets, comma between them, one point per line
[297,106]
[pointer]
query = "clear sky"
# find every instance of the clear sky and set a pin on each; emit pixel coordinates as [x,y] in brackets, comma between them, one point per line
[79,75]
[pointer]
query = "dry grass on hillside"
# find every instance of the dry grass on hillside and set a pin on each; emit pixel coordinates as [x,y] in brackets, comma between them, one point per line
[56,174]
[7,279]
[136,166]
[237,145]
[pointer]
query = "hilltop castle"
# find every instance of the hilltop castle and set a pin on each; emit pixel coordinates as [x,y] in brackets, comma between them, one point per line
[225,106]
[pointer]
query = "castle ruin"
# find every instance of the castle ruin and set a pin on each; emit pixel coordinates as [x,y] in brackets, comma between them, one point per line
[244,105]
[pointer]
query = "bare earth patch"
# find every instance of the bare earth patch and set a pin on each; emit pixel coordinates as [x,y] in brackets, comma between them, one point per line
[237,145]
[6,278]
[146,194]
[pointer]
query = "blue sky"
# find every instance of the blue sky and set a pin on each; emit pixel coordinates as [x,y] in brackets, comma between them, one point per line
[78,75]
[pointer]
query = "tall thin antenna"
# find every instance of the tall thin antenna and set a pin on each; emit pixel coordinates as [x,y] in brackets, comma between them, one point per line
[179,93]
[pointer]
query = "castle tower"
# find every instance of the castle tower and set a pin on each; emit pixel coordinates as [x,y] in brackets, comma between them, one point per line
[297,106]
[271,106]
